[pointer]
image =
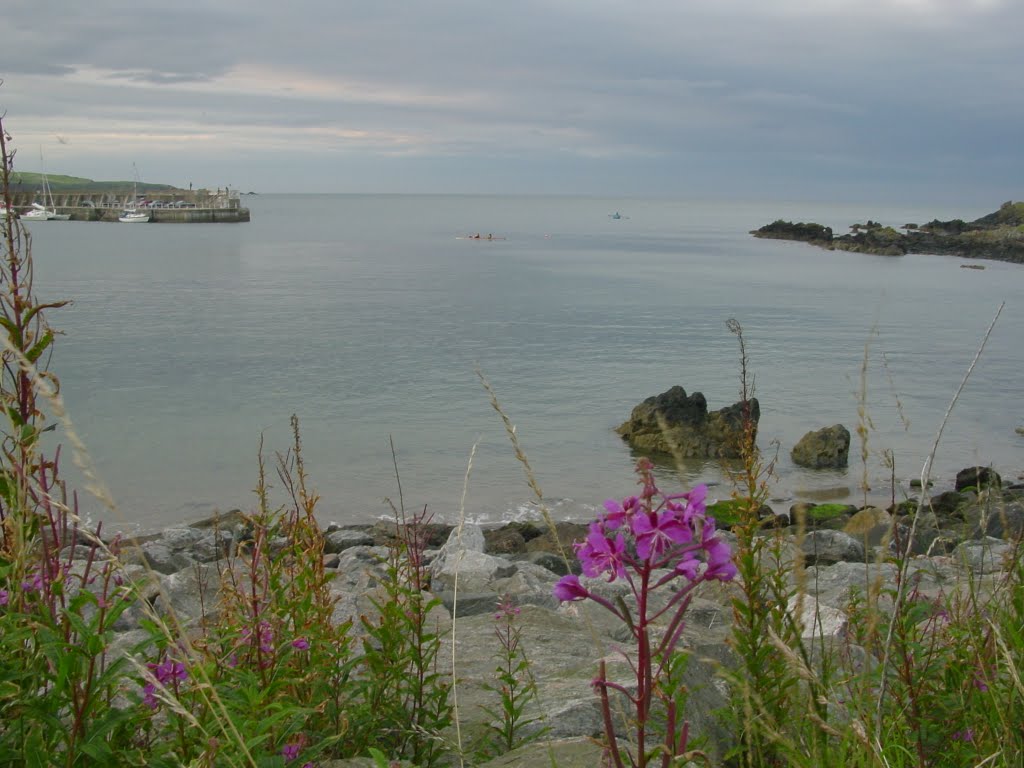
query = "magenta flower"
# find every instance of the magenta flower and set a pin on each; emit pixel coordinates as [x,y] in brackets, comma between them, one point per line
[599,555]
[569,588]
[4,597]
[696,497]
[264,636]
[507,609]
[657,532]
[291,750]
[688,565]
[34,584]
[166,673]
[719,560]
[619,513]
[300,644]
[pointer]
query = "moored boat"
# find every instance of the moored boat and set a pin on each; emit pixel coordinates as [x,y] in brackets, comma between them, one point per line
[133,214]
[46,211]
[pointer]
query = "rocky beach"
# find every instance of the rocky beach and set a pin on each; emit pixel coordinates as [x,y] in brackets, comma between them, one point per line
[967,533]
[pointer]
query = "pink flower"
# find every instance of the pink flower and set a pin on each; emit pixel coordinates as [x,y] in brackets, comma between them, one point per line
[619,513]
[598,554]
[688,565]
[300,644]
[719,560]
[657,532]
[569,588]
[717,553]
[34,584]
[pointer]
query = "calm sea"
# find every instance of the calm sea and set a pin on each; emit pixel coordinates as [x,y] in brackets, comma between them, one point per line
[366,317]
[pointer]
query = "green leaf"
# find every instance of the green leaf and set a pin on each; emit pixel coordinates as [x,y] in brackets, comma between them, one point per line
[40,346]
[12,331]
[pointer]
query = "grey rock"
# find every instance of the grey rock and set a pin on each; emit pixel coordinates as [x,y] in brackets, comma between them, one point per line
[340,540]
[470,570]
[162,559]
[213,546]
[977,477]
[676,423]
[1003,521]
[181,537]
[816,619]
[826,448]
[827,546]
[552,562]
[985,556]
[189,593]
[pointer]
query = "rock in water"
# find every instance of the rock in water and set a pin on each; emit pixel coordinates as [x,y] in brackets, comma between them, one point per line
[828,447]
[978,477]
[673,422]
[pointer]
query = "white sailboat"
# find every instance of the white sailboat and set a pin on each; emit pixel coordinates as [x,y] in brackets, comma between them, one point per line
[132,214]
[46,211]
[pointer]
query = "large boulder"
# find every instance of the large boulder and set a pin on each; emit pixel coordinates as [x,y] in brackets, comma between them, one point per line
[977,477]
[675,423]
[826,448]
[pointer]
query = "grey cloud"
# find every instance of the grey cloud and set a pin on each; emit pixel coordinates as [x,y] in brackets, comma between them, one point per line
[594,89]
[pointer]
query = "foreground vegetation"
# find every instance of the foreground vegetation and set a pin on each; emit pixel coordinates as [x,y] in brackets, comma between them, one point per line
[272,677]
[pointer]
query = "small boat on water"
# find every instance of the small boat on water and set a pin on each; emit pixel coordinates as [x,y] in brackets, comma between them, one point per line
[46,211]
[133,214]
[42,213]
[478,236]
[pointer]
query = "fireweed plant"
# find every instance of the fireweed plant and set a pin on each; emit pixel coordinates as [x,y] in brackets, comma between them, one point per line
[58,687]
[515,686]
[654,542]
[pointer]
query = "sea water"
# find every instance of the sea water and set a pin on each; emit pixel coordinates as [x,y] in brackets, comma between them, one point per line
[187,349]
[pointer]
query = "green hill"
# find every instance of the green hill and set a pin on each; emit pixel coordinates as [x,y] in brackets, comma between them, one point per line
[29,180]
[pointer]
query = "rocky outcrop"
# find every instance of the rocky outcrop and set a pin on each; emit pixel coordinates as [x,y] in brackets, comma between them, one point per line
[674,423]
[787,230]
[826,448]
[996,236]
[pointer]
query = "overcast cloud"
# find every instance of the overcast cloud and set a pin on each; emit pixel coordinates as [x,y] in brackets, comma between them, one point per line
[866,100]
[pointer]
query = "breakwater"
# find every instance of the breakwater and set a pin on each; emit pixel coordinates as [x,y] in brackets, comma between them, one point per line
[175,207]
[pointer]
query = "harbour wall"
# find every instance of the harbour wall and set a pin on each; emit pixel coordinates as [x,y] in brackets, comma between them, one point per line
[177,207]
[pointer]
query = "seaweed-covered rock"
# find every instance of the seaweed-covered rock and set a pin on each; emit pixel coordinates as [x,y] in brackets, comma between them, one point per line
[996,236]
[804,232]
[676,423]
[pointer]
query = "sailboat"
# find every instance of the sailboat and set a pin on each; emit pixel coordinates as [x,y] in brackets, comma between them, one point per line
[132,214]
[46,211]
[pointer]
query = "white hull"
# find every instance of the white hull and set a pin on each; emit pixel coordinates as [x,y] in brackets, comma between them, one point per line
[39,213]
[133,217]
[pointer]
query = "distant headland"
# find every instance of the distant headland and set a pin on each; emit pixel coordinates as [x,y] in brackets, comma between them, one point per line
[998,236]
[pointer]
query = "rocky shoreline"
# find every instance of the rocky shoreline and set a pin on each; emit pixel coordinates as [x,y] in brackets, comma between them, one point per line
[970,530]
[998,236]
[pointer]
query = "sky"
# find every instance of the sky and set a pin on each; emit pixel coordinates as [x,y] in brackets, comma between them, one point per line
[910,101]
